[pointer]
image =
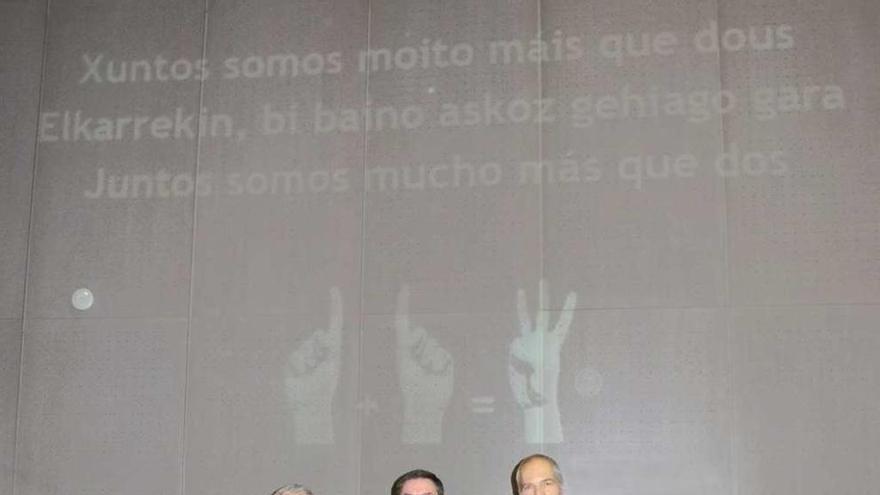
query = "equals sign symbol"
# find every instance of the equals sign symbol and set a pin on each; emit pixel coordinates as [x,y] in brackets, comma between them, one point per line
[483,405]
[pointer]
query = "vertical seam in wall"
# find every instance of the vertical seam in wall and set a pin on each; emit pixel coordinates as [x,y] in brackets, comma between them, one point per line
[363,237]
[28,246]
[724,216]
[192,259]
[539,35]
[541,301]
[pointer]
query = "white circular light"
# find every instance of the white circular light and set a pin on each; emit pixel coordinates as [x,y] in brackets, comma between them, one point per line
[82,299]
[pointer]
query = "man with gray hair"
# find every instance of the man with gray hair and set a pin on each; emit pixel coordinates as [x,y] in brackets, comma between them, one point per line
[294,489]
[537,474]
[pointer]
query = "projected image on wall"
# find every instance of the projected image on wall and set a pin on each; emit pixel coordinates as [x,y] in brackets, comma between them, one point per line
[253,244]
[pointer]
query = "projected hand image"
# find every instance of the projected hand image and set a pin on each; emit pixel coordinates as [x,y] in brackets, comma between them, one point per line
[425,371]
[534,363]
[310,378]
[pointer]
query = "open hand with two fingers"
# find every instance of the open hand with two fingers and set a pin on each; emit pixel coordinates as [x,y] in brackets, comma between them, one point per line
[534,365]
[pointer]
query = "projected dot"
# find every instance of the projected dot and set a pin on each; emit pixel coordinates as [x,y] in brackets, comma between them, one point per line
[588,382]
[82,299]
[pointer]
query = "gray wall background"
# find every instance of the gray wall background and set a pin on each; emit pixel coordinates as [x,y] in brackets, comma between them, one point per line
[724,337]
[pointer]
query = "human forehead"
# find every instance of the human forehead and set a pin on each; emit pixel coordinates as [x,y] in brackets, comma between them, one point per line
[537,469]
[418,486]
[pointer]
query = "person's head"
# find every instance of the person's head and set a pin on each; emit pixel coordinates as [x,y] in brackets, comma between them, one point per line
[294,489]
[537,474]
[417,482]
